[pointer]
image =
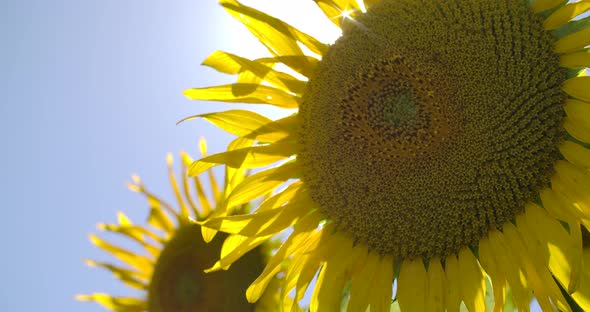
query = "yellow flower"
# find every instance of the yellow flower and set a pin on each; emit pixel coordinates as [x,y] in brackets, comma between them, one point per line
[169,270]
[436,143]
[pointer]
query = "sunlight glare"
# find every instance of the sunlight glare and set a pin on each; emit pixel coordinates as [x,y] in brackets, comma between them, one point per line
[303,15]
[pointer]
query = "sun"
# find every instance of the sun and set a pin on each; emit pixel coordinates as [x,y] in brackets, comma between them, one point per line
[168,267]
[438,144]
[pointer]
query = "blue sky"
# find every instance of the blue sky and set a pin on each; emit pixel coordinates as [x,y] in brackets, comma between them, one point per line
[91,94]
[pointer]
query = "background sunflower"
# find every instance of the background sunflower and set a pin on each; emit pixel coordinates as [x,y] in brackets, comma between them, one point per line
[168,267]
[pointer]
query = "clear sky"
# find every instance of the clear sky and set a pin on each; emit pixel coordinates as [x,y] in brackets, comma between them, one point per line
[91,92]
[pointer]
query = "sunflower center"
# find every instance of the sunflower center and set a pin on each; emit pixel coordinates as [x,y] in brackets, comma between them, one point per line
[400,110]
[187,288]
[429,123]
[179,283]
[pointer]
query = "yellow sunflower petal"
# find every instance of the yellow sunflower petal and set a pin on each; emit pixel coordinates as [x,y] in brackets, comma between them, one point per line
[291,192]
[302,64]
[555,207]
[261,183]
[565,14]
[244,93]
[579,112]
[435,300]
[126,228]
[158,218]
[236,121]
[578,184]
[573,42]
[258,287]
[212,180]
[412,286]
[260,223]
[497,276]
[234,247]
[553,244]
[507,262]
[123,219]
[253,72]
[359,293]
[580,180]
[546,290]
[569,198]
[249,124]
[301,237]
[119,304]
[275,78]
[183,214]
[293,273]
[275,131]
[582,295]
[135,260]
[576,154]
[187,187]
[236,174]
[575,130]
[135,233]
[563,211]
[380,297]
[277,36]
[578,87]
[453,273]
[310,264]
[131,278]
[543,5]
[159,209]
[245,158]
[336,10]
[204,203]
[333,276]
[575,60]
[473,285]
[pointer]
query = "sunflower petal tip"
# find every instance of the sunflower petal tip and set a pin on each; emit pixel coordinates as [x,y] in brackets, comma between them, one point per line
[187,93]
[192,169]
[89,262]
[216,267]
[169,159]
[250,294]
[203,146]
[82,297]
[574,281]
[133,187]
[208,234]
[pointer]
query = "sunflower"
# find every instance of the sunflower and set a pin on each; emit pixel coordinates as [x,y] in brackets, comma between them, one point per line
[442,145]
[169,270]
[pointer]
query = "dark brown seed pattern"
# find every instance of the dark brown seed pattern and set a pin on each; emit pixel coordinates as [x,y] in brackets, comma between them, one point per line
[428,123]
[179,284]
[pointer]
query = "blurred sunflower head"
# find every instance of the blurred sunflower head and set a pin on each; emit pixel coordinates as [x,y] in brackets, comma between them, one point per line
[169,269]
[436,143]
